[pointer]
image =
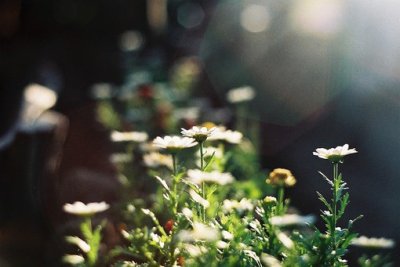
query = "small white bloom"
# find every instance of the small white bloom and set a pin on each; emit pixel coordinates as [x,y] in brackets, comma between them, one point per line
[200,134]
[187,212]
[270,199]
[198,177]
[197,198]
[73,259]
[285,240]
[195,250]
[221,244]
[373,242]
[241,94]
[126,235]
[157,239]
[270,261]
[227,235]
[222,134]
[292,219]
[155,159]
[243,205]
[137,137]
[334,154]
[79,208]
[78,242]
[174,143]
[200,232]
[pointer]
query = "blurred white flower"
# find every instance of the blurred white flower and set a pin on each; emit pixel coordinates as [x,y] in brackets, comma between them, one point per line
[195,250]
[373,242]
[222,134]
[157,239]
[285,240]
[241,94]
[155,159]
[81,209]
[270,261]
[126,234]
[40,96]
[173,144]
[334,154]
[221,244]
[243,205]
[227,235]
[270,200]
[73,259]
[191,113]
[292,219]
[74,240]
[197,198]
[200,134]
[187,212]
[137,137]
[199,232]
[198,177]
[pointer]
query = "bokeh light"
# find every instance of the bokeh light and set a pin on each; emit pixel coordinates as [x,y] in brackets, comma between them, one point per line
[255,18]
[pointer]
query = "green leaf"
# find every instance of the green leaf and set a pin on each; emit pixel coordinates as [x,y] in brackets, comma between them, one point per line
[323,200]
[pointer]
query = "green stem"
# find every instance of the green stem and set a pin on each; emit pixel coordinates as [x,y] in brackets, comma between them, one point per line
[336,184]
[91,255]
[174,167]
[281,199]
[203,184]
[174,187]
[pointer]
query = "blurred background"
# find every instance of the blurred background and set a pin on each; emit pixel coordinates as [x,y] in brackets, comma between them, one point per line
[324,73]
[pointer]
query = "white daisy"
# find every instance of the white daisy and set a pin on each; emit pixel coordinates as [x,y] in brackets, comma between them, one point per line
[334,154]
[173,144]
[200,134]
[81,209]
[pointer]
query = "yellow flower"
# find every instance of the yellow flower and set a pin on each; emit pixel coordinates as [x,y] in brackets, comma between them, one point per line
[281,177]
